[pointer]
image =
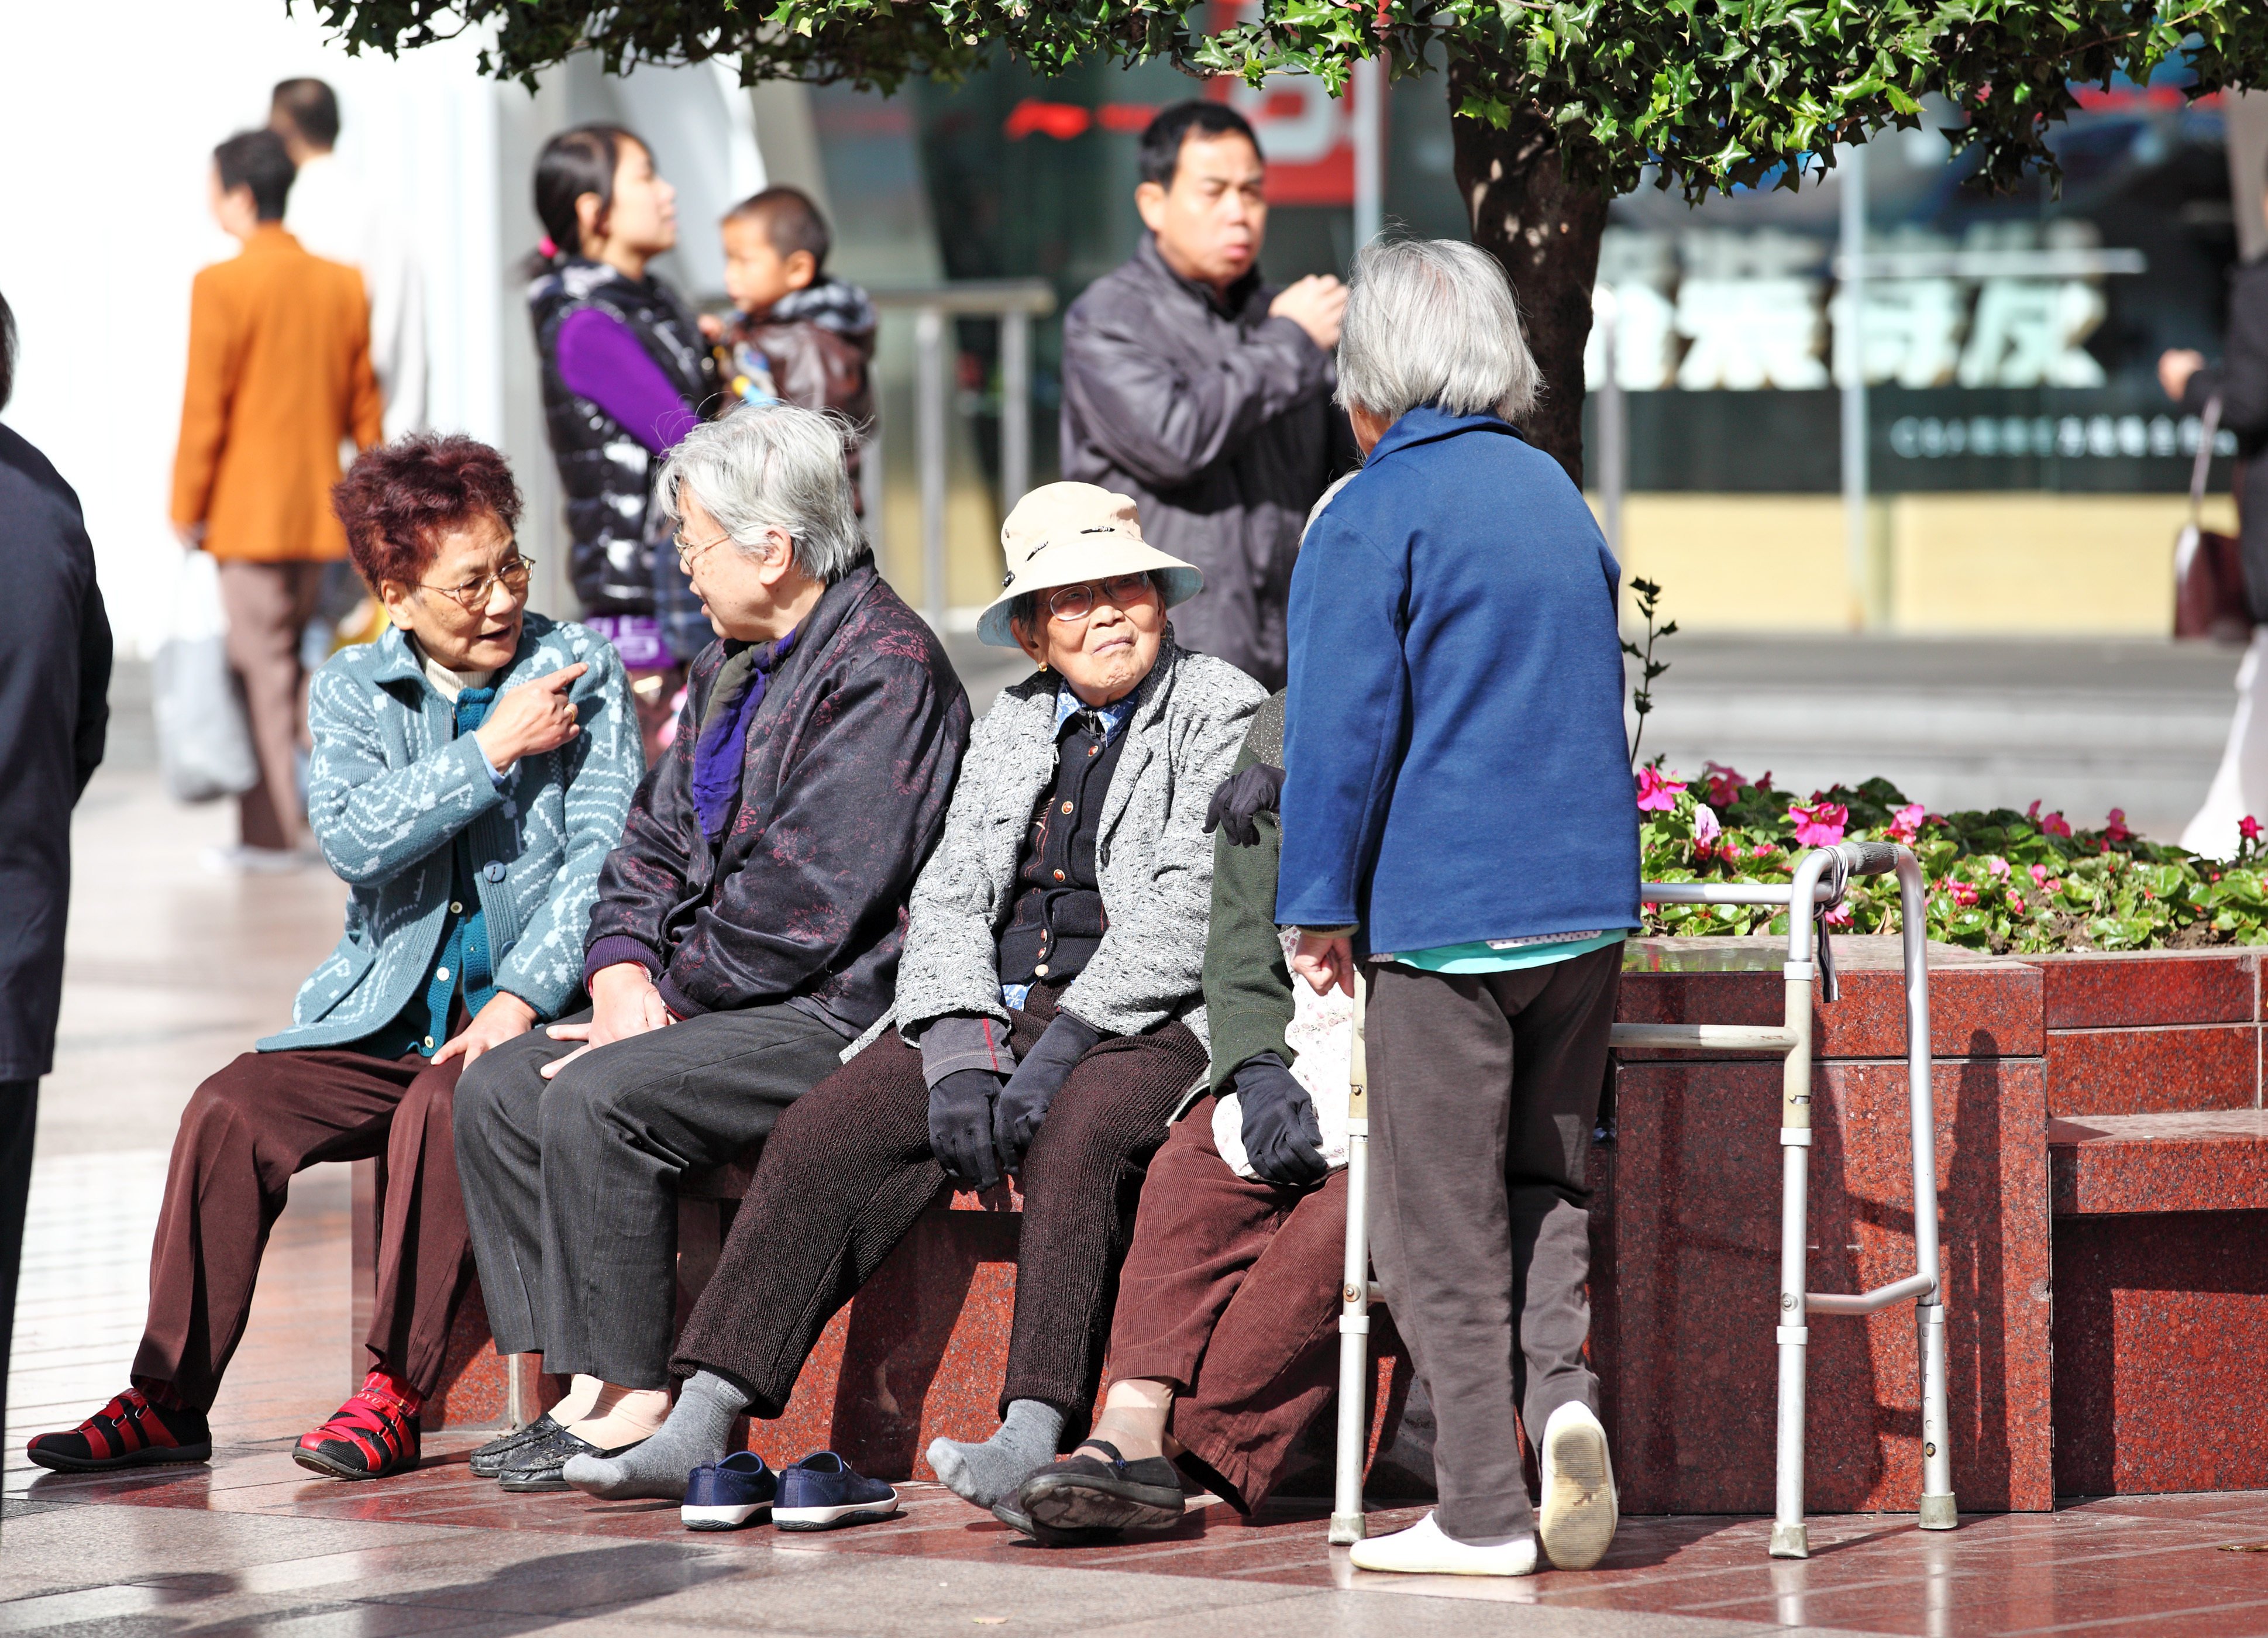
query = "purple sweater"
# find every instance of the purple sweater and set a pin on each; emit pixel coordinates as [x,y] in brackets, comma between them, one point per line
[599,359]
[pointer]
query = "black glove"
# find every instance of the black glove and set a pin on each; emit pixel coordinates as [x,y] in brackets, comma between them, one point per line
[961,1127]
[1240,797]
[1282,1138]
[1024,1101]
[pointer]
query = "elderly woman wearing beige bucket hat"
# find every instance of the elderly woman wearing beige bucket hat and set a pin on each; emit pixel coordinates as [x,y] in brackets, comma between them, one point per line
[1050,1016]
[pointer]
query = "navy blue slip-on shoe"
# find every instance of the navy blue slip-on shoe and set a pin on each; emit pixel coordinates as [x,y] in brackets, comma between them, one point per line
[726,1494]
[820,1492]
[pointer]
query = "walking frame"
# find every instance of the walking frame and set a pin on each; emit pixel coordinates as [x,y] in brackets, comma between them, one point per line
[1819,881]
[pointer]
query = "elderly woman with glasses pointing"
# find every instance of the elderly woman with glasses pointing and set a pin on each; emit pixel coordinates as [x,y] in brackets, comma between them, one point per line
[1048,1019]
[471,768]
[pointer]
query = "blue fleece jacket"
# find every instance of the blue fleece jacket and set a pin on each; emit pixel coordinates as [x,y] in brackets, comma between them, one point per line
[1453,736]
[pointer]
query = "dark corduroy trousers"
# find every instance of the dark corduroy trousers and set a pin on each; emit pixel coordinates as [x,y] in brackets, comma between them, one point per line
[246,1132]
[848,1171]
[1230,1294]
[570,1184]
[1483,1093]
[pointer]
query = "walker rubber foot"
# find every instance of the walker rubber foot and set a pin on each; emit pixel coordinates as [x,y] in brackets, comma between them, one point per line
[1790,1541]
[1346,1528]
[1938,1513]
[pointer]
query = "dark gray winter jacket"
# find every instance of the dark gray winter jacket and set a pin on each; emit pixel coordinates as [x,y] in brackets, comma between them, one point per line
[1219,421]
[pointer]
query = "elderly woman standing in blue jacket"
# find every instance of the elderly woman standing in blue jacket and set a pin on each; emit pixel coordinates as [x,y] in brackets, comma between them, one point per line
[1458,813]
[471,769]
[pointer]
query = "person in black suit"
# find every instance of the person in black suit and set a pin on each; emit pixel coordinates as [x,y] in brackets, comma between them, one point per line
[54,687]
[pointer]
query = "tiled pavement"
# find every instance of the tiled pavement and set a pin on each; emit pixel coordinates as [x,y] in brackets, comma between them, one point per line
[252,1542]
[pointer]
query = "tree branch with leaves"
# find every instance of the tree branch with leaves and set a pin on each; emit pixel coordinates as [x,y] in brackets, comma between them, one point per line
[1557,106]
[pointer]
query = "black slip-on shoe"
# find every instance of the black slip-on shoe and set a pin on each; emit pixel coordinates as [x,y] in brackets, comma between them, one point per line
[535,1468]
[489,1460]
[1081,1493]
[1010,1512]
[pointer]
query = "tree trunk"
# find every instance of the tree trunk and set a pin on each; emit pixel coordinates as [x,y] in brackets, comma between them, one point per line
[1544,229]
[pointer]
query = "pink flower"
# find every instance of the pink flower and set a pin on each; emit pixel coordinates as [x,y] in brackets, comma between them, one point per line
[2033,812]
[1839,917]
[1820,825]
[1762,850]
[2055,884]
[1657,792]
[2039,875]
[1705,827]
[1997,865]
[1963,894]
[1906,823]
[2016,902]
[2249,827]
[2116,830]
[1724,783]
[2055,824]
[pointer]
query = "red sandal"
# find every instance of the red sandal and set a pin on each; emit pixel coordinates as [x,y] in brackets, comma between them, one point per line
[372,1435]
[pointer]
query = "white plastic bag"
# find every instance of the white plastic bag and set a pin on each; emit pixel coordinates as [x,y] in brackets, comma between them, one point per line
[205,745]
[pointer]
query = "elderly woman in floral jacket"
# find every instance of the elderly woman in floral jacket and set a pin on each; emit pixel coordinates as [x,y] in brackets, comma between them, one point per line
[471,769]
[1050,1014]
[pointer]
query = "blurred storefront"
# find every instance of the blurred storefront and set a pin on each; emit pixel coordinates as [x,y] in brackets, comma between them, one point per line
[2025,471]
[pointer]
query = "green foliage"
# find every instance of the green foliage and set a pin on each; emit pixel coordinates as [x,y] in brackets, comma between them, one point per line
[1999,880]
[1715,92]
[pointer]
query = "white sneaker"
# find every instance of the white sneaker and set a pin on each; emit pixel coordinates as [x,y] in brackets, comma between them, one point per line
[1423,1550]
[1578,1518]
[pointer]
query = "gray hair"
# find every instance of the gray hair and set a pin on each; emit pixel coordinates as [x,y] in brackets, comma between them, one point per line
[1433,321]
[770,466]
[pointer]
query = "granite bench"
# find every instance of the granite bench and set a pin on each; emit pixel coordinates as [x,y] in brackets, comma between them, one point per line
[2104,1173]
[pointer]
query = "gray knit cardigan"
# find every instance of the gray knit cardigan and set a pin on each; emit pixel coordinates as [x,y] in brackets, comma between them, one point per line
[1154,859]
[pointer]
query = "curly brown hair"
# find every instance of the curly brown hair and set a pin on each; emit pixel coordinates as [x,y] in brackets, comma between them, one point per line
[399,499]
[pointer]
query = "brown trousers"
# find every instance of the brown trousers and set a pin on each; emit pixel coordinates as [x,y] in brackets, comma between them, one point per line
[245,1134]
[268,606]
[848,1171]
[1230,1294]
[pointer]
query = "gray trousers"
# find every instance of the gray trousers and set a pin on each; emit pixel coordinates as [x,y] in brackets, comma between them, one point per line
[1484,1090]
[570,1183]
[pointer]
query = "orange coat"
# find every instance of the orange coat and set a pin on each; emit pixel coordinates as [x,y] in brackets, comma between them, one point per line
[279,376]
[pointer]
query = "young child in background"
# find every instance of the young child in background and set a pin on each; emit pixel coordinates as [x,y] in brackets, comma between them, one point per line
[799,337]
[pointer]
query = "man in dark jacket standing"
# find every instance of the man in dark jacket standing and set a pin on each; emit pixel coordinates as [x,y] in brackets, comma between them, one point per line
[54,686]
[747,927]
[1205,394]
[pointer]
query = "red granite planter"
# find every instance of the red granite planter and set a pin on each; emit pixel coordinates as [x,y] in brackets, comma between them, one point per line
[1687,1232]
[2152,1032]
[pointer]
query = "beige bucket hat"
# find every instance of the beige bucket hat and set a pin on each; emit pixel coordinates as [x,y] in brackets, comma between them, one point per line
[1063,534]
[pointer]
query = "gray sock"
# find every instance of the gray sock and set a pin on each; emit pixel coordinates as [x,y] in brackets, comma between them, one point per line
[698,1427]
[985,1473]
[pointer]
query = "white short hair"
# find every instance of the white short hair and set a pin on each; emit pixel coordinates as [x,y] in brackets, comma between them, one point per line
[770,466]
[1433,321]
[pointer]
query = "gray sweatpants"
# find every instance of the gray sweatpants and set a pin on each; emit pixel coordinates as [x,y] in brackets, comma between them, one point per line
[570,1183]
[1484,1090]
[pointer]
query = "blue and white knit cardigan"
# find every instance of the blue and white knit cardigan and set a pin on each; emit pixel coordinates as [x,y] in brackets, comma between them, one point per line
[391,785]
